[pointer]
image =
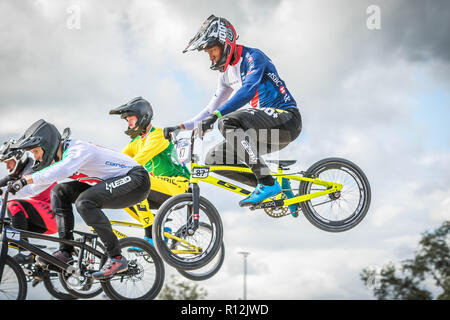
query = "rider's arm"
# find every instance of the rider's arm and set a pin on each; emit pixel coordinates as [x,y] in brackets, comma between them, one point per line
[28,191]
[72,160]
[256,64]
[223,92]
[155,144]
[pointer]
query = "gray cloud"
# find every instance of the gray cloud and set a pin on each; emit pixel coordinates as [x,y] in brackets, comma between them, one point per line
[357,90]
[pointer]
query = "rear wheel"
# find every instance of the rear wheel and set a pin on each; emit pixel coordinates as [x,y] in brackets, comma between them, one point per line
[82,286]
[54,286]
[342,210]
[211,268]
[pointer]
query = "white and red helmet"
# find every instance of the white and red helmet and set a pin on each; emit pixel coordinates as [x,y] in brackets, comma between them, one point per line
[215,31]
[19,156]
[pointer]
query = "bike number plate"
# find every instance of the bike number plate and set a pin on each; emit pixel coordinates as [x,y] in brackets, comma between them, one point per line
[183,151]
[200,173]
[12,234]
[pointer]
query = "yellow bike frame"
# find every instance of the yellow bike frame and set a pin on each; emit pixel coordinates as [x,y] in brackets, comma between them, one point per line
[142,213]
[204,170]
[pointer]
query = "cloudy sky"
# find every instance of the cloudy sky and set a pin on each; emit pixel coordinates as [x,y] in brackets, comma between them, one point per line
[377,96]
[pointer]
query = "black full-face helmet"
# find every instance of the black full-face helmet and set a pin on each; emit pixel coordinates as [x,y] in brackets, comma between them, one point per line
[19,156]
[140,108]
[41,134]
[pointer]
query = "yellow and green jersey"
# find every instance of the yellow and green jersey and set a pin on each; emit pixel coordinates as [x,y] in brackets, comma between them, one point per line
[156,154]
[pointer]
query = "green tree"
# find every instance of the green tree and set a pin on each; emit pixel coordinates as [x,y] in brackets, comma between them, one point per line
[407,282]
[177,289]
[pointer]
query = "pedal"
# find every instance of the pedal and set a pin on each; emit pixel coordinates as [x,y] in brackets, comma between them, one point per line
[35,282]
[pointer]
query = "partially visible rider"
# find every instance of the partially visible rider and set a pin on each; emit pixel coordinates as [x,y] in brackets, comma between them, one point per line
[30,207]
[103,178]
[269,124]
[150,149]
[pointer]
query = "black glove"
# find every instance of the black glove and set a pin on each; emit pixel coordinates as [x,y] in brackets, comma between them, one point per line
[169,130]
[17,185]
[208,122]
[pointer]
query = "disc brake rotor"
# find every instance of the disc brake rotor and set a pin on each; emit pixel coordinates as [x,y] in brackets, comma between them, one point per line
[278,212]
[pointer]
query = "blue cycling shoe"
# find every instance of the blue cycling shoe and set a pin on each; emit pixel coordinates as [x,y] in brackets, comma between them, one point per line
[150,240]
[261,193]
[287,190]
[136,249]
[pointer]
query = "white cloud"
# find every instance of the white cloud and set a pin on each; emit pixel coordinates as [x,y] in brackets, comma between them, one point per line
[358,92]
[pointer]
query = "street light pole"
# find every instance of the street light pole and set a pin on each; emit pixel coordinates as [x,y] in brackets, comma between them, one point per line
[245,254]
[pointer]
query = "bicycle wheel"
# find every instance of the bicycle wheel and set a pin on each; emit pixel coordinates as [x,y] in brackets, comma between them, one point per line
[342,210]
[145,275]
[55,288]
[187,249]
[81,286]
[210,269]
[14,283]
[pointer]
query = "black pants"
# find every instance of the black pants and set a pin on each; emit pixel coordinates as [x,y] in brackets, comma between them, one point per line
[250,133]
[114,193]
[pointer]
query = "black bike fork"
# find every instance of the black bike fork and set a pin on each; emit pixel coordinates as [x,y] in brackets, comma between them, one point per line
[194,211]
[3,253]
[4,249]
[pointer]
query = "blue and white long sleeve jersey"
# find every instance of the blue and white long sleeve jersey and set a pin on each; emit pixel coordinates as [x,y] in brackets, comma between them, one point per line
[255,81]
[86,160]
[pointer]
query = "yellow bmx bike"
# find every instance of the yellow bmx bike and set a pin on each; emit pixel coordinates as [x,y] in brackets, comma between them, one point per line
[142,213]
[333,194]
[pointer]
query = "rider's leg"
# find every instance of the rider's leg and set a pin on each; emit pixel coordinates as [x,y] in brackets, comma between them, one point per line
[114,193]
[41,218]
[222,154]
[20,221]
[31,215]
[162,189]
[62,197]
[18,215]
[254,132]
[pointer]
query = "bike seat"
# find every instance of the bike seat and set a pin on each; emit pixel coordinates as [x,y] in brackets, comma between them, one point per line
[282,163]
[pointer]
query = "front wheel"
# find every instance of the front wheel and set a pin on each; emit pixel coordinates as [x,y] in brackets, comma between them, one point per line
[176,239]
[14,282]
[342,210]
